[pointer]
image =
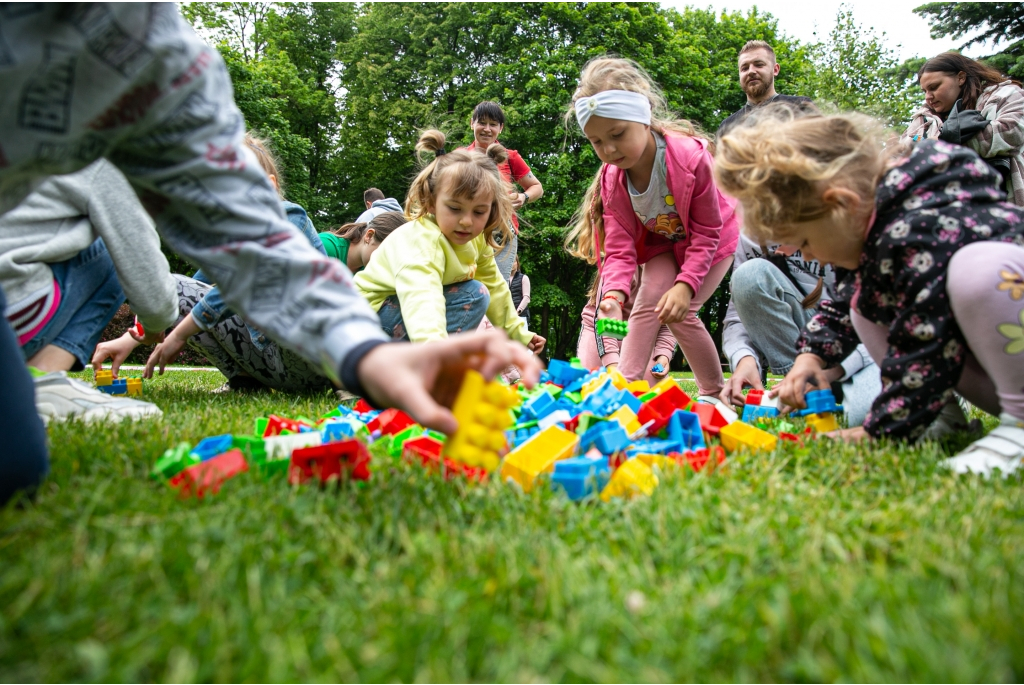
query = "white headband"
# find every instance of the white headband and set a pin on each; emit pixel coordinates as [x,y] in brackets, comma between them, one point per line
[614,104]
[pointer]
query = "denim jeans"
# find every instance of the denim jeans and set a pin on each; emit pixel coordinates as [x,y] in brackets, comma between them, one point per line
[505,256]
[769,307]
[465,306]
[90,295]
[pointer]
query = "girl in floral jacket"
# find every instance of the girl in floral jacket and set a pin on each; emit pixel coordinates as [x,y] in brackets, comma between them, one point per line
[936,291]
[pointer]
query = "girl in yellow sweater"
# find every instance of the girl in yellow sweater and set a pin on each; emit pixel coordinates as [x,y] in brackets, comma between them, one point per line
[436,275]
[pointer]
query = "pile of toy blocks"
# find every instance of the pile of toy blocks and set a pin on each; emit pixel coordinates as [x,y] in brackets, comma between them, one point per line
[105,382]
[586,433]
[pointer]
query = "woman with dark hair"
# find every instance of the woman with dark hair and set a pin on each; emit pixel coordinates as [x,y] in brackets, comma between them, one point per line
[972,104]
[488,121]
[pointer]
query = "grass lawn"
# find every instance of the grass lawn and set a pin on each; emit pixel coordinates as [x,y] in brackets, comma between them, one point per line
[825,563]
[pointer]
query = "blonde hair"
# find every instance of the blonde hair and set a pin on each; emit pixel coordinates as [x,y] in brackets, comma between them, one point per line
[267,159]
[779,165]
[463,173]
[585,239]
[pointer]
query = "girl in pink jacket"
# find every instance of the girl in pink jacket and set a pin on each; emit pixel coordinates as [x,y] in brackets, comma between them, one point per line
[654,203]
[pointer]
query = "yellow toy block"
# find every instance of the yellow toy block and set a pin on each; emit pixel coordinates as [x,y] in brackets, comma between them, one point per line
[822,423]
[634,477]
[538,455]
[626,418]
[134,386]
[591,386]
[738,435]
[661,461]
[618,380]
[663,385]
[482,410]
[641,386]
[104,377]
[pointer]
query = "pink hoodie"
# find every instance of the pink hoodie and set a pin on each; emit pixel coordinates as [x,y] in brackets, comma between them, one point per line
[708,217]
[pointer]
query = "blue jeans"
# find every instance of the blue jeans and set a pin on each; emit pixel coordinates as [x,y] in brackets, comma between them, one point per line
[769,307]
[90,295]
[465,306]
[505,256]
[23,459]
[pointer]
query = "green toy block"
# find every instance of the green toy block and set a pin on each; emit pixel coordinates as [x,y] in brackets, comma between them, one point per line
[552,389]
[573,397]
[587,421]
[576,363]
[648,396]
[785,427]
[437,436]
[174,461]
[261,426]
[331,414]
[252,447]
[274,467]
[395,449]
[612,328]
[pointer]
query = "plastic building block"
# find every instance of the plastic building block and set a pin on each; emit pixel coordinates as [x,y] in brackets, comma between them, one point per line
[626,417]
[362,406]
[754,397]
[207,477]
[539,406]
[564,373]
[482,410]
[652,447]
[252,447]
[390,422]
[658,368]
[174,461]
[538,455]
[660,408]
[738,435]
[325,462]
[611,328]
[822,423]
[555,417]
[698,459]
[586,421]
[104,377]
[210,447]
[338,430]
[280,447]
[819,402]
[663,385]
[647,397]
[426,450]
[398,440]
[598,396]
[753,412]
[684,430]
[632,478]
[581,476]
[134,386]
[276,425]
[577,385]
[606,437]
[641,386]
[118,386]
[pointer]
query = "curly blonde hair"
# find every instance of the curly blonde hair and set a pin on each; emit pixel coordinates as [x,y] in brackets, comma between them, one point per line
[463,173]
[779,164]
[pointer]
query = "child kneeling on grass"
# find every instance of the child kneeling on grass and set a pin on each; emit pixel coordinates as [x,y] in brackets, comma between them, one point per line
[436,275]
[938,269]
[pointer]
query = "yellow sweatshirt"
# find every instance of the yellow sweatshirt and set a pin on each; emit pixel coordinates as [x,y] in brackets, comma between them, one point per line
[416,261]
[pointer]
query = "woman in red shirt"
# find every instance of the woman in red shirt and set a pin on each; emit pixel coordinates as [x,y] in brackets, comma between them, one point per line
[488,121]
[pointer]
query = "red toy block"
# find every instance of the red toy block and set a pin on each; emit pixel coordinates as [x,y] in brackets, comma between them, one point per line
[426,451]
[791,437]
[572,425]
[698,459]
[659,409]
[711,422]
[390,422]
[277,424]
[207,477]
[362,406]
[324,462]
[754,397]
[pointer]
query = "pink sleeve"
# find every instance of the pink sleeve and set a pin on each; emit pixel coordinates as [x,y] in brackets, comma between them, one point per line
[705,225]
[665,344]
[620,259]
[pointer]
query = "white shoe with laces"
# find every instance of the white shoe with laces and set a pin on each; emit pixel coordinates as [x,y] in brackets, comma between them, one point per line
[59,398]
[1002,449]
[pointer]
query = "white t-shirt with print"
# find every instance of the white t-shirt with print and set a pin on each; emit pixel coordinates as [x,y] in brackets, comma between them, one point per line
[656,207]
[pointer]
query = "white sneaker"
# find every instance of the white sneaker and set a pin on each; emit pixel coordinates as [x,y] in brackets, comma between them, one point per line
[1001,449]
[59,397]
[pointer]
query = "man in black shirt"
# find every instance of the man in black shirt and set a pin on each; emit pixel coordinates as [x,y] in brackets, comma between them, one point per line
[758,70]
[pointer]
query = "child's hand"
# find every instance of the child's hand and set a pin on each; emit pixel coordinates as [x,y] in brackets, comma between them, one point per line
[674,305]
[537,344]
[808,369]
[610,306]
[745,375]
[114,350]
[424,379]
[856,434]
[150,338]
[165,353]
[664,361]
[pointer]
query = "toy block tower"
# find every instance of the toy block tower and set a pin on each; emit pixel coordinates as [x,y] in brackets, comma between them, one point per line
[482,410]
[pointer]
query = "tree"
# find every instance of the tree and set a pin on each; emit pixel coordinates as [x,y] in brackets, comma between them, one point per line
[856,70]
[993,21]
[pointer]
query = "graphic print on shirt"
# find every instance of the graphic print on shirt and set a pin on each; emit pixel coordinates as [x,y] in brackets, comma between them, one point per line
[666,222]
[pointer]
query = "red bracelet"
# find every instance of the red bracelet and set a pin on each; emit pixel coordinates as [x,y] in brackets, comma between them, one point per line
[612,297]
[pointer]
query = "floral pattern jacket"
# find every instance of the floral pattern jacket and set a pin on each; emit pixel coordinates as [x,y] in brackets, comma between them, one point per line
[929,205]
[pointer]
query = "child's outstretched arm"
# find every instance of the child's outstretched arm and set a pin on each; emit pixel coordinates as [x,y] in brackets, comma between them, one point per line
[424,379]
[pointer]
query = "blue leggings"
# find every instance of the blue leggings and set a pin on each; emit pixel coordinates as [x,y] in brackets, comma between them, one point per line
[465,306]
[23,459]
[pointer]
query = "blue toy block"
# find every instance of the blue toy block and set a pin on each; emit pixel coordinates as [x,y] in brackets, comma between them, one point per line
[607,437]
[657,368]
[684,429]
[564,374]
[600,397]
[338,430]
[578,384]
[538,407]
[569,406]
[653,447]
[518,435]
[117,387]
[752,412]
[210,447]
[581,476]
[820,402]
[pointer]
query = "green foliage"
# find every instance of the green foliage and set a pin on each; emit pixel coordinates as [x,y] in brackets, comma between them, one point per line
[856,70]
[828,563]
[992,21]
